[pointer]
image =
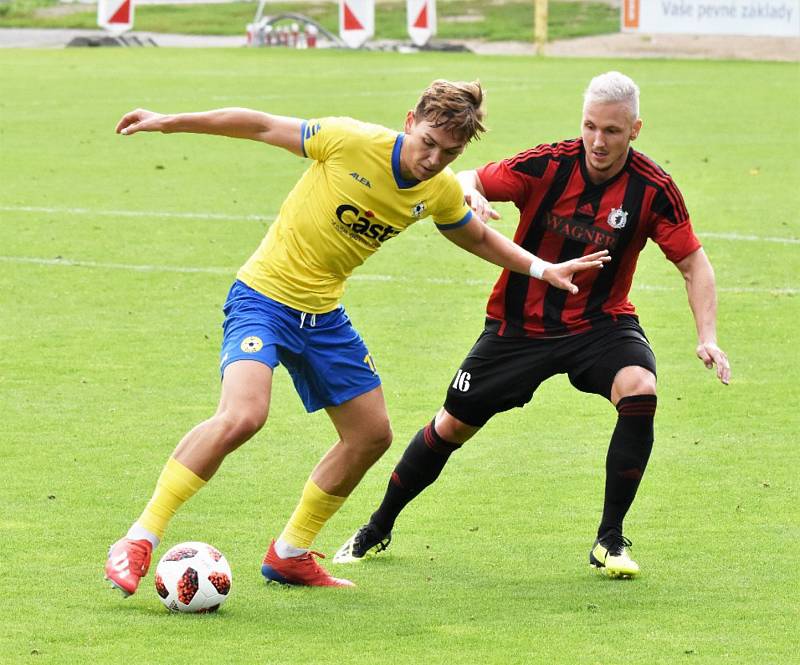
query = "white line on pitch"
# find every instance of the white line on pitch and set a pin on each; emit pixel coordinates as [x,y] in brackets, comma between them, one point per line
[748,237]
[361,277]
[114,266]
[270,218]
[138,213]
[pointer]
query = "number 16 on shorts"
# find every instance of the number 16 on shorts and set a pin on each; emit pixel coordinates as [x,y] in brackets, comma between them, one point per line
[461,382]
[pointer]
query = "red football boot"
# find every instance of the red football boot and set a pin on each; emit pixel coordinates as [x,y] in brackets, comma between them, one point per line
[300,570]
[128,561]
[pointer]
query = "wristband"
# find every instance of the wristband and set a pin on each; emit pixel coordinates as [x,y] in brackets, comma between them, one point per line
[538,267]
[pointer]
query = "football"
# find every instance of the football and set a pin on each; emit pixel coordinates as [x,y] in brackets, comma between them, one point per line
[193,577]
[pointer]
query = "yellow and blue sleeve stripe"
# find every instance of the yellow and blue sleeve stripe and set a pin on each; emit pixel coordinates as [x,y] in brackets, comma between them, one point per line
[306,132]
[455,225]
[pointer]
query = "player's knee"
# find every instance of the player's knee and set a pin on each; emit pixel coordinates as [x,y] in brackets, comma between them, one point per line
[452,429]
[239,426]
[376,442]
[634,381]
[383,439]
[644,385]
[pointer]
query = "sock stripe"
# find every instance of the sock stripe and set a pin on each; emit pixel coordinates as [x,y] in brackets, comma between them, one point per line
[637,405]
[637,411]
[435,442]
[422,462]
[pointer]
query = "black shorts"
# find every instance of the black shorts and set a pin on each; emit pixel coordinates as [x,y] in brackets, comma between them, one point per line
[500,373]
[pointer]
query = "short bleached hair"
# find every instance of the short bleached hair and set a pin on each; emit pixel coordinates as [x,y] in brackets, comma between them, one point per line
[612,88]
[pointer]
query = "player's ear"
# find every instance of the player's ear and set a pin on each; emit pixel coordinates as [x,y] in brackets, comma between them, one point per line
[637,127]
[410,120]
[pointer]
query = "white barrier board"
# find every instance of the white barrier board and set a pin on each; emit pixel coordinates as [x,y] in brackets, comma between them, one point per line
[780,18]
[115,15]
[421,20]
[356,21]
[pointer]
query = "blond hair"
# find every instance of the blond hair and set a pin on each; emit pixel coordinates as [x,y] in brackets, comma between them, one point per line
[613,87]
[457,106]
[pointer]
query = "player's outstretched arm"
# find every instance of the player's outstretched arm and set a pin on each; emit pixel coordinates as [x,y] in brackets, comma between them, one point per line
[475,196]
[701,289]
[277,130]
[494,247]
[560,275]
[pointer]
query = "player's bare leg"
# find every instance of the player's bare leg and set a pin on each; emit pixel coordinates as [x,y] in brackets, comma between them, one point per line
[242,411]
[420,465]
[364,435]
[633,393]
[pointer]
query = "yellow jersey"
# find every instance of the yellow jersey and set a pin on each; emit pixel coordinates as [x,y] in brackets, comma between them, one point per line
[347,204]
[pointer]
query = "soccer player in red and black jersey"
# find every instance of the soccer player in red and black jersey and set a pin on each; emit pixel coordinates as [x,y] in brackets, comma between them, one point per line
[574,197]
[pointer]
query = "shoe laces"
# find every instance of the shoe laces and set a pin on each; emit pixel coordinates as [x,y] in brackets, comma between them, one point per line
[138,557]
[615,543]
[368,536]
[307,561]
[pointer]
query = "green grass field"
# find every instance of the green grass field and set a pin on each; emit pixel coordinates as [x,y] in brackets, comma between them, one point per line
[115,257]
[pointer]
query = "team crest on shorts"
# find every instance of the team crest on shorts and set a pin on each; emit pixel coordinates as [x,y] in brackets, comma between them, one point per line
[418,210]
[617,218]
[252,344]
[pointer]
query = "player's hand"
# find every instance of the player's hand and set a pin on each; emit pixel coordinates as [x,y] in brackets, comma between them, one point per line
[140,120]
[712,355]
[560,274]
[480,205]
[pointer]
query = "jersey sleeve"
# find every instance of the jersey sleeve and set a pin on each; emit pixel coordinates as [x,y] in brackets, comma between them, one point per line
[322,137]
[502,182]
[671,227]
[451,211]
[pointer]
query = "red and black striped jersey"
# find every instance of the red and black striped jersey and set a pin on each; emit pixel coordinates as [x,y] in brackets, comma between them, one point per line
[563,216]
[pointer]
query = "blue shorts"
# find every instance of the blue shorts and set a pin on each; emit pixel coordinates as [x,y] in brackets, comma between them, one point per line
[326,357]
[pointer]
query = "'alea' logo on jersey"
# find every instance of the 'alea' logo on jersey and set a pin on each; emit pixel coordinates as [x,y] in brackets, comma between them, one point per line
[418,210]
[361,226]
[360,178]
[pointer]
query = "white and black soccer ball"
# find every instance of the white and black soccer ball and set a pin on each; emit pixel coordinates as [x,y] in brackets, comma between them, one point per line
[193,577]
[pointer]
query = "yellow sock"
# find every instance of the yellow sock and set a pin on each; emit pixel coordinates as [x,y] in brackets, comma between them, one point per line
[175,486]
[315,508]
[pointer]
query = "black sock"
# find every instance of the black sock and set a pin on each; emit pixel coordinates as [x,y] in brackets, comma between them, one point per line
[421,464]
[627,458]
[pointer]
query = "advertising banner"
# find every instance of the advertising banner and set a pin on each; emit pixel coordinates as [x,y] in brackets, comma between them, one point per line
[115,15]
[780,18]
[356,21]
[421,20]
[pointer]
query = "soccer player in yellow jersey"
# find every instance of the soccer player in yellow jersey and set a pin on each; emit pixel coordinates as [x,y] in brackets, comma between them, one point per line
[365,185]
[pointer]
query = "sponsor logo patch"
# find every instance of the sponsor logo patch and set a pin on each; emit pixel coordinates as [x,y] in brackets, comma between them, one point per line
[617,218]
[363,226]
[252,344]
[581,231]
[361,179]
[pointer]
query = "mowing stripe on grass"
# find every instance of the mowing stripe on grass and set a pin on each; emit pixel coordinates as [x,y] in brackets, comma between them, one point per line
[58,261]
[749,238]
[270,218]
[362,277]
[140,213]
